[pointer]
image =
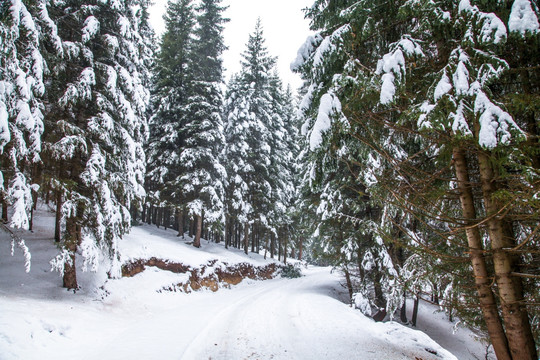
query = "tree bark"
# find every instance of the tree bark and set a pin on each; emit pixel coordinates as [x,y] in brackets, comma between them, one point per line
[415,310]
[70,244]
[197,241]
[349,283]
[481,276]
[180,217]
[246,238]
[285,250]
[226,232]
[272,244]
[300,249]
[516,319]
[403,310]
[58,216]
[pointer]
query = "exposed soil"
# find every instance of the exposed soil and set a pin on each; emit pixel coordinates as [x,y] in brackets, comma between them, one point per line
[211,276]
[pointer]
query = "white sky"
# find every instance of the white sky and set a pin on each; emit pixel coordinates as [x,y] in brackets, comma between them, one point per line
[284,26]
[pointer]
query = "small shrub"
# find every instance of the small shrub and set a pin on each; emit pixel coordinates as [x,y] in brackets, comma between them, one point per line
[291,271]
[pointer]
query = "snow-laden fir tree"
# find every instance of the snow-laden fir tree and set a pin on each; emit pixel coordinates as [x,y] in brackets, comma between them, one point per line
[340,163]
[172,86]
[96,125]
[249,115]
[22,69]
[429,89]
[201,173]
[22,89]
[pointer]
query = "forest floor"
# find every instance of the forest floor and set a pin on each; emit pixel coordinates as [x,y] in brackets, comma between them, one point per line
[134,318]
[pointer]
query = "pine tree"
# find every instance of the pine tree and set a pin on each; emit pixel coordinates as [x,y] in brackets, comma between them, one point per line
[249,113]
[96,125]
[172,84]
[201,173]
[22,69]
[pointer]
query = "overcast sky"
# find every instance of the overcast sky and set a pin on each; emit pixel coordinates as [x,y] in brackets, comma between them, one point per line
[284,26]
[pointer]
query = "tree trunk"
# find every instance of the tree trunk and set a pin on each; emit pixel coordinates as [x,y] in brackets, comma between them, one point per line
[226,234]
[70,244]
[246,238]
[285,250]
[482,279]
[143,213]
[253,232]
[300,249]
[180,217]
[415,310]
[403,310]
[279,248]
[349,283]
[272,244]
[33,209]
[516,319]
[58,216]
[197,241]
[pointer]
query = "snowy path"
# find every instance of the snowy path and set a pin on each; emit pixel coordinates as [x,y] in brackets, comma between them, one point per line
[275,319]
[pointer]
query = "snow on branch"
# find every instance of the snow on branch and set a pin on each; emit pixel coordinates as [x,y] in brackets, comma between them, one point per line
[392,66]
[21,244]
[523,19]
[328,107]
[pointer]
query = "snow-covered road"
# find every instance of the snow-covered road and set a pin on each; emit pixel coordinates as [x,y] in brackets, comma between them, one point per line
[131,318]
[276,319]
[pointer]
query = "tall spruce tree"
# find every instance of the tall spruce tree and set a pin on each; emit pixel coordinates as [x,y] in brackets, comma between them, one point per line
[172,86]
[249,113]
[22,71]
[96,125]
[201,173]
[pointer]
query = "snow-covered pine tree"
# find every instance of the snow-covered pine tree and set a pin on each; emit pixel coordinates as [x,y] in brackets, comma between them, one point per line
[96,125]
[201,174]
[22,69]
[249,113]
[172,87]
[342,164]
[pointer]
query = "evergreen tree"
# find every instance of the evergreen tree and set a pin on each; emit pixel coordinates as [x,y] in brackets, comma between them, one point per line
[172,84]
[22,70]
[201,173]
[96,125]
[249,113]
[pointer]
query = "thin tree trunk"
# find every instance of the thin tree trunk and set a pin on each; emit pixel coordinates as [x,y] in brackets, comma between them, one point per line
[197,241]
[279,248]
[349,283]
[285,250]
[516,319]
[272,244]
[143,214]
[301,249]
[403,310]
[226,232]
[481,276]
[180,217]
[415,310]
[253,232]
[58,216]
[246,238]
[32,211]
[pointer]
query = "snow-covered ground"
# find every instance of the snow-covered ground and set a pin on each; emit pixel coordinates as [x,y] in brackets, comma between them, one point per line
[130,318]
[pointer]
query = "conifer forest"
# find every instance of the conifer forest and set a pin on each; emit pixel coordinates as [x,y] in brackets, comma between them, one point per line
[408,161]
